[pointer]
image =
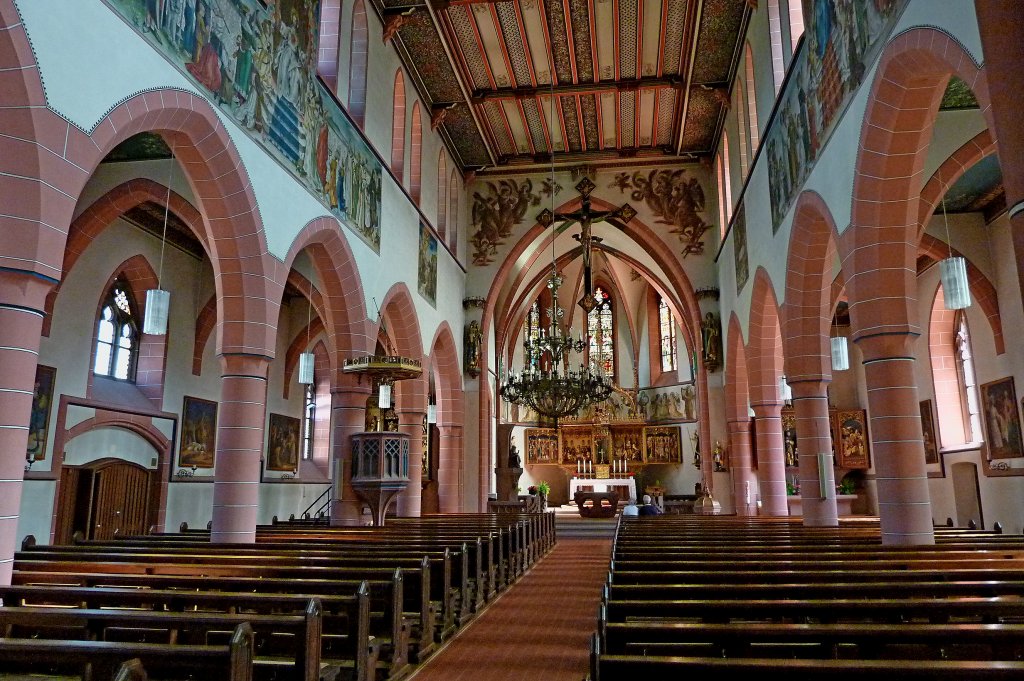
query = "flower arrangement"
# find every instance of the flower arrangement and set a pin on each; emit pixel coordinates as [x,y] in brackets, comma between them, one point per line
[792,489]
[540,488]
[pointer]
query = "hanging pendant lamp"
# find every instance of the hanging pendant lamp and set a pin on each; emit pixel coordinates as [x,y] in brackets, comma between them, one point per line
[953,272]
[840,353]
[158,301]
[785,392]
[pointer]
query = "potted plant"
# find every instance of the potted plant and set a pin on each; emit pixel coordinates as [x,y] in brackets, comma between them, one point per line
[542,491]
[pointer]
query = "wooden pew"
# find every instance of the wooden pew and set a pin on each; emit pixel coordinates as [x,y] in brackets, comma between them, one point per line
[356,638]
[231,662]
[295,636]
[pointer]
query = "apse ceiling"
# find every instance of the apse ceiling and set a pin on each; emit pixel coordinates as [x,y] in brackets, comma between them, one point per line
[644,79]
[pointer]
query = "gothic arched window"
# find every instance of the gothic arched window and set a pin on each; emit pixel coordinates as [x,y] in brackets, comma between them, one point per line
[667,333]
[601,328]
[117,335]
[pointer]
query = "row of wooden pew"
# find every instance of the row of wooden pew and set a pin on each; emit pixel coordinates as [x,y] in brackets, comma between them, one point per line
[305,602]
[770,597]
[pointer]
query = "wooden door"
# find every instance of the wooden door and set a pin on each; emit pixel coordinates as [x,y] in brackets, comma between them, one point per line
[120,500]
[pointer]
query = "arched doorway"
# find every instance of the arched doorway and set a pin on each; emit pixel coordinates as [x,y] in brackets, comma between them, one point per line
[105,499]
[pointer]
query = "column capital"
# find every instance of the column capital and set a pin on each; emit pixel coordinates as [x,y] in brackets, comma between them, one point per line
[24,289]
[244,364]
[811,388]
[895,345]
[767,410]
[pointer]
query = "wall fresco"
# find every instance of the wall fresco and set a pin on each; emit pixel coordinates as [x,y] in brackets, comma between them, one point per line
[257,61]
[842,38]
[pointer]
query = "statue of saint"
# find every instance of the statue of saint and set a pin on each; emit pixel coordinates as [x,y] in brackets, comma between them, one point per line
[474,336]
[513,457]
[711,337]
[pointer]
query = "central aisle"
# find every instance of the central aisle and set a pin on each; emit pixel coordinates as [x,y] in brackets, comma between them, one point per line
[540,628]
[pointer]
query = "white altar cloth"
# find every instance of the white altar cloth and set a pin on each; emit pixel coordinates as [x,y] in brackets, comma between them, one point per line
[601,485]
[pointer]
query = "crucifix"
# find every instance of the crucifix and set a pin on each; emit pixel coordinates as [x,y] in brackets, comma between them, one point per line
[587,217]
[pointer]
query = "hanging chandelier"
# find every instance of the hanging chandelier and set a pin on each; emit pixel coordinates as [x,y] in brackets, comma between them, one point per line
[546,384]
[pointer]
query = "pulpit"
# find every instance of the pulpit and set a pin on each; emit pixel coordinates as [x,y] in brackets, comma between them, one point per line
[380,469]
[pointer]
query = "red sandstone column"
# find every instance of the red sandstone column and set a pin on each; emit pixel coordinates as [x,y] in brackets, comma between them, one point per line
[771,462]
[897,446]
[22,301]
[348,413]
[410,422]
[239,446]
[449,475]
[744,481]
[1001,25]
[814,435]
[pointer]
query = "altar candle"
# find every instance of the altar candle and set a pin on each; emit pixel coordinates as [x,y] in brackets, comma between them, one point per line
[577,466]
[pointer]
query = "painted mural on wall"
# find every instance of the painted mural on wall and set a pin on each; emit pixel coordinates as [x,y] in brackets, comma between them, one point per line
[427,268]
[739,245]
[497,212]
[675,197]
[257,60]
[842,38]
[672,403]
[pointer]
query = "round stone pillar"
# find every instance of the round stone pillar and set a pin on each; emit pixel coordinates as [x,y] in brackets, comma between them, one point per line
[897,445]
[22,301]
[348,416]
[449,479]
[410,422]
[239,447]
[771,462]
[744,481]
[813,436]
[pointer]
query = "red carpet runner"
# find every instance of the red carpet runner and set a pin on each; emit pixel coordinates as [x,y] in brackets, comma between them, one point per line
[539,629]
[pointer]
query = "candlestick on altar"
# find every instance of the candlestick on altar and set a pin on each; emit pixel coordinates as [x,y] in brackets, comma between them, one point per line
[577,465]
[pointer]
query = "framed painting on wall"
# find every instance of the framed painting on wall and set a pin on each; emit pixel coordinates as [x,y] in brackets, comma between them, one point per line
[931,445]
[1002,420]
[663,445]
[541,445]
[283,443]
[39,421]
[576,443]
[198,433]
[852,436]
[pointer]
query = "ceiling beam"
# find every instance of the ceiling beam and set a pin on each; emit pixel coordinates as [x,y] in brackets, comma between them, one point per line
[631,85]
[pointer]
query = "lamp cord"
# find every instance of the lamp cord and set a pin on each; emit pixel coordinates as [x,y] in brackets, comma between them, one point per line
[945,220]
[167,212]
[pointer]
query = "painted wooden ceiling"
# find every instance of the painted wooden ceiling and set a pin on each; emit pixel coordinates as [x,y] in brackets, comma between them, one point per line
[512,81]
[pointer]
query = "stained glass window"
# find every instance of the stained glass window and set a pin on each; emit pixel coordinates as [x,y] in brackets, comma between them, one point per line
[667,326]
[117,336]
[601,328]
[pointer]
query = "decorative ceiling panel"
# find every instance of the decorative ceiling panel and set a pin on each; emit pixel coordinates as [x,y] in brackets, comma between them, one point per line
[666,115]
[591,127]
[515,47]
[628,38]
[558,37]
[673,30]
[579,14]
[621,70]
[469,46]
[572,125]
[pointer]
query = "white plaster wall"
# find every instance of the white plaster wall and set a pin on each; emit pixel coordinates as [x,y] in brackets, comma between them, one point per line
[36,513]
[114,443]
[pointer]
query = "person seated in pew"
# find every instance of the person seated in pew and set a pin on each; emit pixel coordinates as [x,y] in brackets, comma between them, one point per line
[631,508]
[649,507]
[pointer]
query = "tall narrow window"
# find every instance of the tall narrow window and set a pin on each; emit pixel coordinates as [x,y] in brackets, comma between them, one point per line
[722,222]
[308,422]
[751,91]
[358,59]
[726,177]
[416,155]
[442,197]
[968,382]
[398,130]
[741,123]
[453,213]
[796,22]
[117,336]
[600,326]
[531,330]
[775,38]
[667,327]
